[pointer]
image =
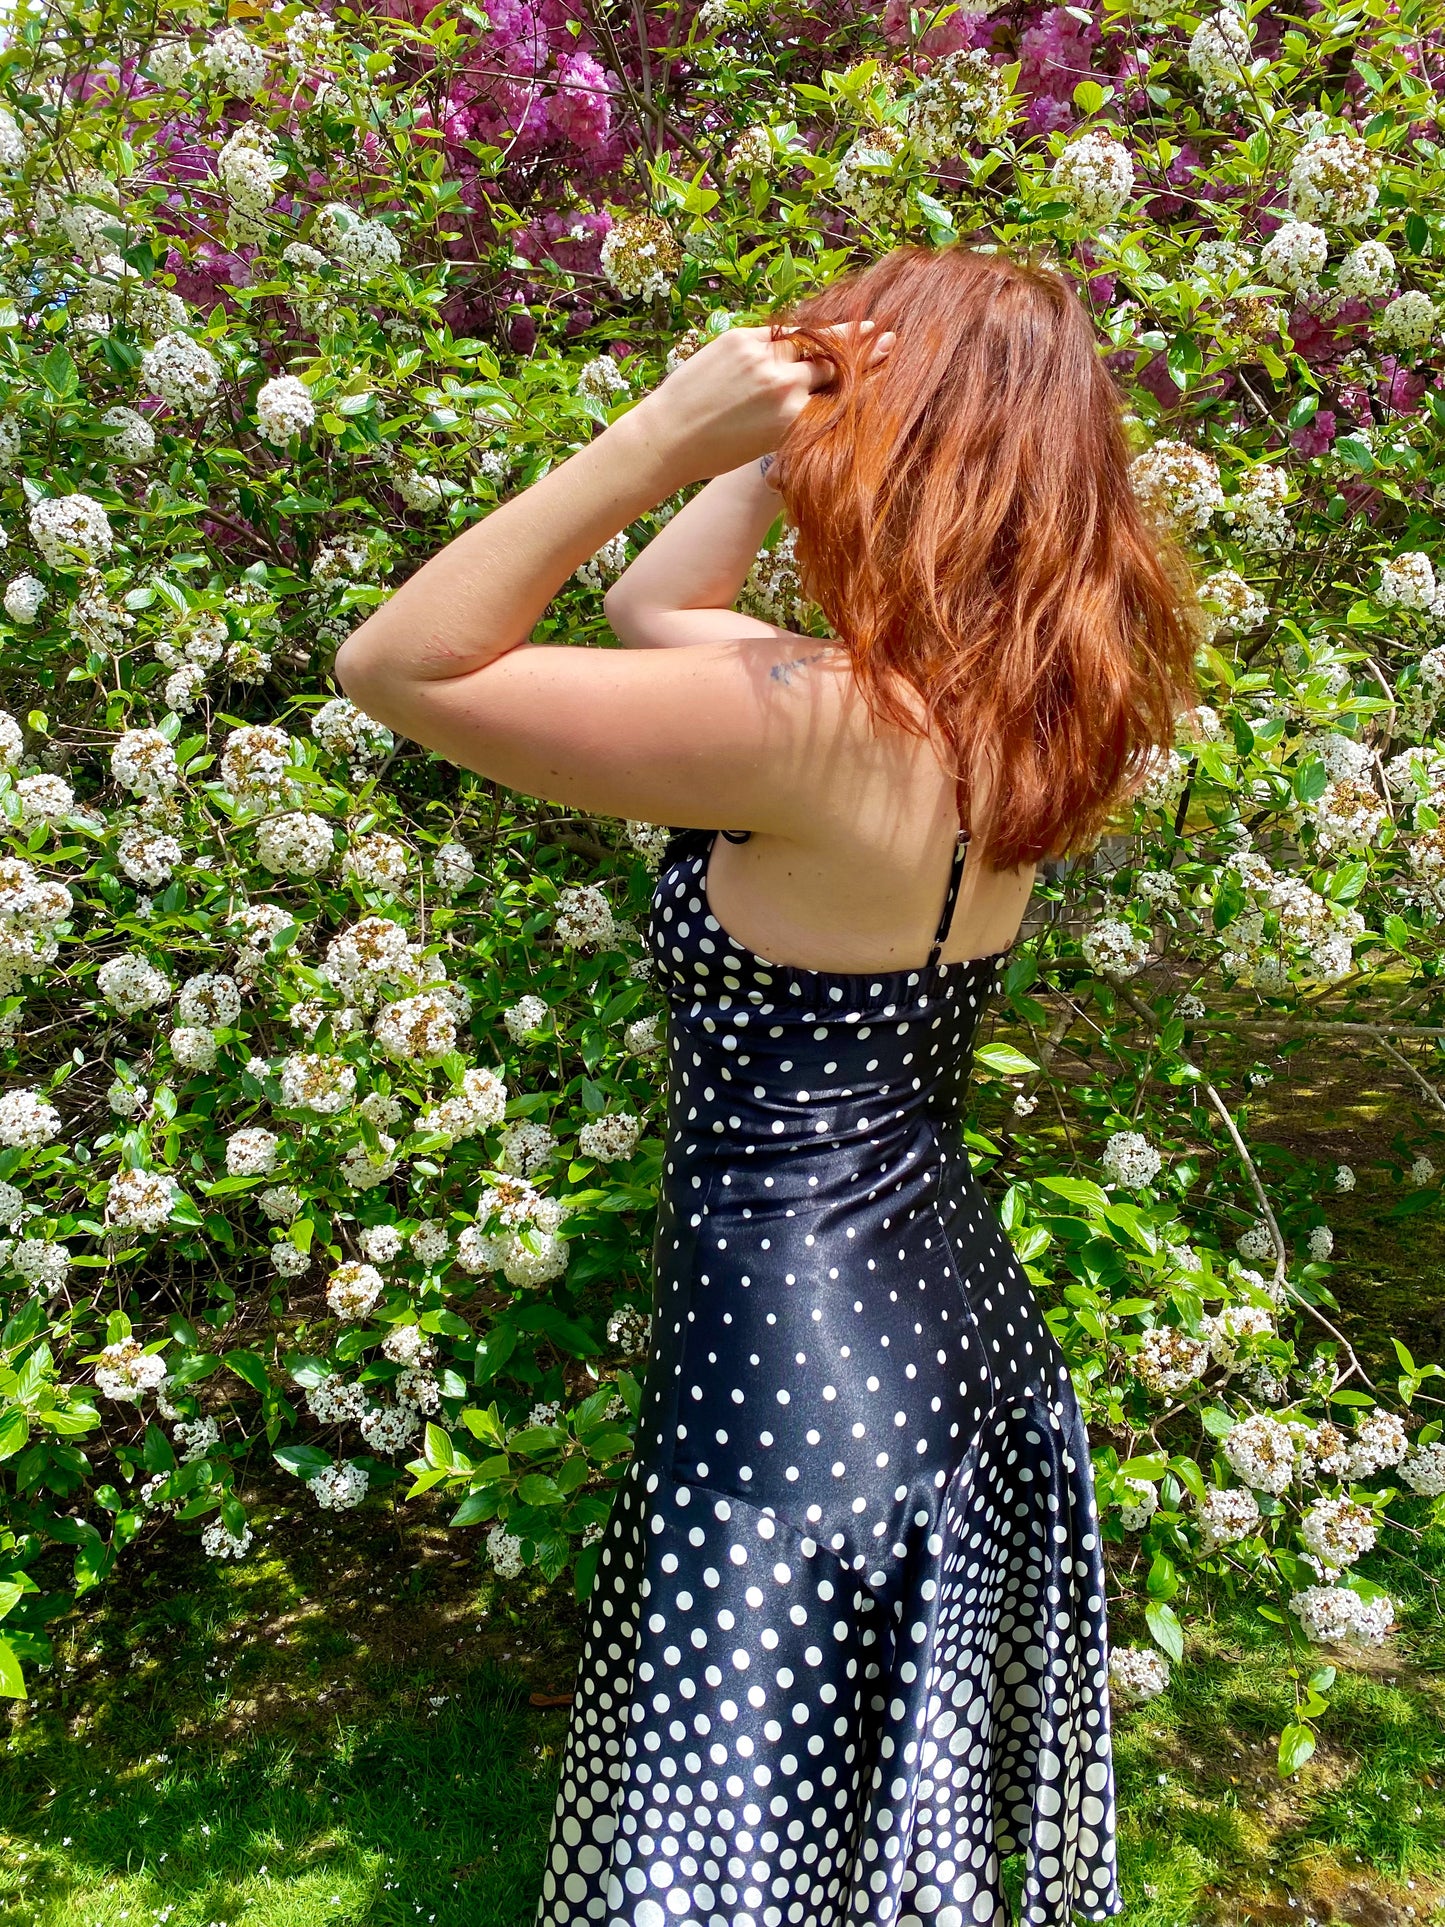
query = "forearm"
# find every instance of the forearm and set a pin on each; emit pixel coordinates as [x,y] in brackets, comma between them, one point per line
[486,590]
[699,560]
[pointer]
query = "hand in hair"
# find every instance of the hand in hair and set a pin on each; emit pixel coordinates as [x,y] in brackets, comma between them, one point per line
[735,399]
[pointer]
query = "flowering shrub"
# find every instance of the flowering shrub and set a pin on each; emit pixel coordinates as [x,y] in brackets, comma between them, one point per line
[330,1120]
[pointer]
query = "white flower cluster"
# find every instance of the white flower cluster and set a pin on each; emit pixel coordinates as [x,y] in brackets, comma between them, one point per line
[27,1121]
[1409,321]
[1308,923]
[139,1200]
[182,373]
[1114,948]
[32,909]
[1238,605]
[453,867]
[126,1371]
[298,844]
[583,918]
[344,730]
[869,181]
[1294,256]
[504,1549]
[643,1035]
[353,1289]
[612,1139]
[1219,55]
[1337,1616]
[1169,1360]
[235,63]
[1407,581]
[630,1330]
[1177,484]
[1226,1515]
[1263,1452]
[256,763]
[134,440]
[601,378]
[378,862]
[527,1145]
[339,1487]
[1424,1469]
[64,526]
[1095,174]
[527,1249]
[284,408]
[1137,1674]
[251,1152]
[144,763]
[1257,512]
[42,1262]
[1131,1160]
[1334,177]
[420,1029]
[1141,1505]
[24,598]
[130,983]
[525,1016]
[357,242]
[1227,1330]
[314,1081]
[195,1437]
[219,1542]
[1335,1532]
[963,98]
[250,168]
[1366,272]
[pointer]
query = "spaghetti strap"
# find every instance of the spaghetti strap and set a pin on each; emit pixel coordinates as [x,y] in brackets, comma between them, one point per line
[736,836]
[960,851]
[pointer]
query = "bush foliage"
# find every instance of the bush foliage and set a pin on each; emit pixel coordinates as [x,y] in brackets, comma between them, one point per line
[331,1125]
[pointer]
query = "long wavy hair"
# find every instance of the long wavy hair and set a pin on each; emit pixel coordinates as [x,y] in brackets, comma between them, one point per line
[965,520]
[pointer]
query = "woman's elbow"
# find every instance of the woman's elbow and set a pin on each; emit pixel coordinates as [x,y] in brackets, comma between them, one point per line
[354,670]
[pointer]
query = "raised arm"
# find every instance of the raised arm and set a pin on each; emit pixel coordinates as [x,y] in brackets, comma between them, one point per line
[694,737]
[682,587]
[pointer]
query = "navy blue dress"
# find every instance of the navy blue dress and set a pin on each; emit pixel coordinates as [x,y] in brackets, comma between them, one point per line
[847,1641]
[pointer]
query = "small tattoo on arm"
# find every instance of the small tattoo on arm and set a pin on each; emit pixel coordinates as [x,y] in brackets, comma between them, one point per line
[783,671]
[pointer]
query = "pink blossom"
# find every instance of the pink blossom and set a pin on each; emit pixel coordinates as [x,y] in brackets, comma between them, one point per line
[1317,434]
[581,108]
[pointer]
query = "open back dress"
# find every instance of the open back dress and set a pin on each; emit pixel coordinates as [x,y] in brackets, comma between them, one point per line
[847,1643]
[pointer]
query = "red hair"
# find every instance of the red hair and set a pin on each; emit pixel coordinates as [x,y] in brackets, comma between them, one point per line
[966,522]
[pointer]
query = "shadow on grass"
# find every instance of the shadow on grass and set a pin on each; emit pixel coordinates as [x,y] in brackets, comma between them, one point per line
[437,1818]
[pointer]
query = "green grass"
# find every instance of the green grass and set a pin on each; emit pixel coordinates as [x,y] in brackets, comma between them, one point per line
[338,1734]
[338,1731]
[312,1737]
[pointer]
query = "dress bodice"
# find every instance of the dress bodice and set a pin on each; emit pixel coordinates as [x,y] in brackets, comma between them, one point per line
[861,1046]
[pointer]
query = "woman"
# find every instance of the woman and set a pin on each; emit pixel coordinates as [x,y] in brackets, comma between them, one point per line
[847,1648]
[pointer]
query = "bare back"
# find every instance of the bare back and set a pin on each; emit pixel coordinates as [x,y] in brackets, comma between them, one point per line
[858,885]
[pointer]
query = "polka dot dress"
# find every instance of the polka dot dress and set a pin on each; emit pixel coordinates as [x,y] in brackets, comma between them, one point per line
[847,1641]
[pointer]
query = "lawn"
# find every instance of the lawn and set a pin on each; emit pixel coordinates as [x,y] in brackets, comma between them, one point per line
[351,1726]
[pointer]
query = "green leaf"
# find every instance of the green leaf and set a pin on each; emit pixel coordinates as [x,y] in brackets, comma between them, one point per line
[1296,1744]
[1077,1191]
[1004,1059]
[1163,1579]
[12,1680]
[249,1366]
[14,1432]
[1164,1624]
[439,1450]
[304,1460]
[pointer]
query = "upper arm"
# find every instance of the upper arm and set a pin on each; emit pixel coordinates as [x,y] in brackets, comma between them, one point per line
[641,627]
[732,733]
